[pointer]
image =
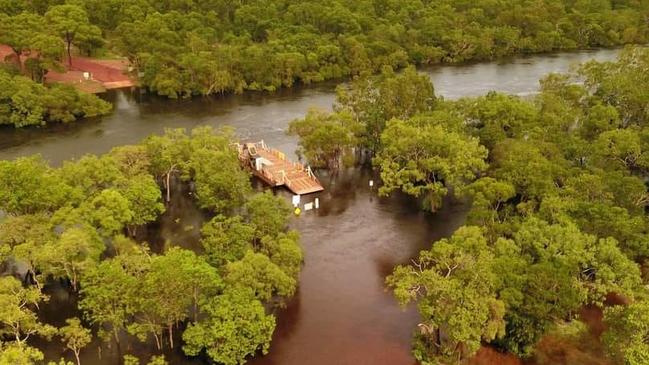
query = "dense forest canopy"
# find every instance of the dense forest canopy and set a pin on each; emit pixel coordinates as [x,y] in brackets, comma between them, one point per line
[558,193]
[79,224]
[183,48]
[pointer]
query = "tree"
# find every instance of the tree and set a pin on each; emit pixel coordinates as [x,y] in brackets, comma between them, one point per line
[550,270]
[174,283]
[28,185]
[226,239]
[19,32]
[109,211]
[145,200]
[235,326]
[424,161]
[489,197]
[107,296]
[374,101]
[17,319]
[455,287]
[221,183]
[169,155]
[71,23]
[626,333]
[75,336]
[327,140]
[257,272]
[76,251]
[284,251]
[495,117]
[268,214]
[26,236]
[15,354]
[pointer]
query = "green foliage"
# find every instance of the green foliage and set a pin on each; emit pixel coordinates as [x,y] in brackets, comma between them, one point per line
[28,185]
[74,252]
[221,184]
[75,336]
[226,239]
[424,161]
[372,101]
[192,48]
[562,206]
[257,272]
[108,291]
[69,223]
[110,211]
[326,140]
[454,285]
[24,102]
[71,23]
[18,320]
[235,326]
[269,214]
[626,333]
[14,354]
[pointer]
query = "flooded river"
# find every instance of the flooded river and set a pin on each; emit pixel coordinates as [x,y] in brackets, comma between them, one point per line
[341,313]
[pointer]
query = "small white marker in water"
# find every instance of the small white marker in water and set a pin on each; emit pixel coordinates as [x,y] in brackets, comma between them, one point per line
[371,183]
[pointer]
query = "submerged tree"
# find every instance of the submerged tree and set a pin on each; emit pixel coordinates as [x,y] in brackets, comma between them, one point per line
[455,289]
[75,337]
[235,326]
[425,161]
[326,140]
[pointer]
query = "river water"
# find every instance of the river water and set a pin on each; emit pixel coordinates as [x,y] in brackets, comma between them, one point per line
[341,313]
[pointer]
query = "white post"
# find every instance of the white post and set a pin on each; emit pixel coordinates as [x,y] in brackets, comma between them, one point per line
[317,203]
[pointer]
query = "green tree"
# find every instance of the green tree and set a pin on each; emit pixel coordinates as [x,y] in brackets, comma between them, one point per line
[28,185]
[226,239]
[71,23]
[18,321]
[374,101]
[15,354]
[169,155]
[221,184]
[327,140]
[19,32]
[75,336]
[235,326]
[268,214]
[109,211]
[174,283]
[424,161]
[626,333]
[74,252]
[145,201]
[107,297]
[455,289]
[257,272]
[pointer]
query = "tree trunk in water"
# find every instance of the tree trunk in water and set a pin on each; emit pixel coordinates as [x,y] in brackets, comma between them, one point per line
[157,341]
[171,336]
[76,355]
[169,186]
[116,336]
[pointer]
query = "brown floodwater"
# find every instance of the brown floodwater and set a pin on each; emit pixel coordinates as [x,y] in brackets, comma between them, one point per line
[341,313]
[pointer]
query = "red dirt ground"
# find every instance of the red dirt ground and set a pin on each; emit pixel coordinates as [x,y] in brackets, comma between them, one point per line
[104,74]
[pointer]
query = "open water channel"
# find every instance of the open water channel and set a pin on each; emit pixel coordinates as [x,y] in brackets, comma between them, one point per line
[341,313]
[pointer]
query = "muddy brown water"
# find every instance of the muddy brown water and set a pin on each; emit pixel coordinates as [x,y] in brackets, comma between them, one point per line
[341,313]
